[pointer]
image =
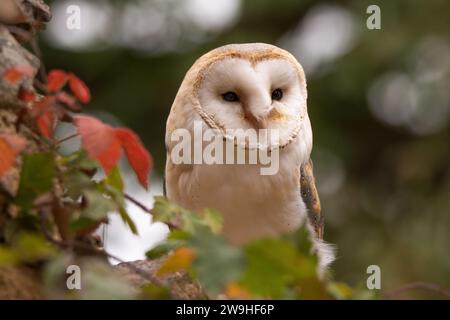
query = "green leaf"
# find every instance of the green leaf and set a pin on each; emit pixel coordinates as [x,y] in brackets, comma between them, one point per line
[178,235]
[213,219]
[98,206]
[81,223]
[302,240]
[32,247]
[79,160]
[76,182]
[163,210]
[127,220]
[36,177]
[163,249]
[189,221]
[114,179]
[217,263]
[78,174]
[268,263]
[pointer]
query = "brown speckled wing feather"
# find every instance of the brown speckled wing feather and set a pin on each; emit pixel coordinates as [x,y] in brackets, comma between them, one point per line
[310,197]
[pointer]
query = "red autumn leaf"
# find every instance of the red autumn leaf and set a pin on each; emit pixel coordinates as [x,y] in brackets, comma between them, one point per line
[103,143]
[100,141]
[27,95]
[45,123]
[138,157]
[69,101]
[79,88]
[44,114]
[56,79]
[10,146]
[15,74]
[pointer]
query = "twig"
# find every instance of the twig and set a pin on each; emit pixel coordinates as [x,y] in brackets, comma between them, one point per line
[36,137]
[172,225]
[40,85]
[419,285]
[137,203]
[65,139]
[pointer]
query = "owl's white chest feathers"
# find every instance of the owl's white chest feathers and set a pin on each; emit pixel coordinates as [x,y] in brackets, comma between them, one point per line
[253,205]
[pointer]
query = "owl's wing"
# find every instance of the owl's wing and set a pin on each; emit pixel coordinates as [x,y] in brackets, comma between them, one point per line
[310,197]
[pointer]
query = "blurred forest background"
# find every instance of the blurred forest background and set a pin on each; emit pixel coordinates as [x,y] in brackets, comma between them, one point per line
[379,103]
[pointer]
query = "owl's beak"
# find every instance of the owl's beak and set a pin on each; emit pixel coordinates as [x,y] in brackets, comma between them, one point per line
[259,122]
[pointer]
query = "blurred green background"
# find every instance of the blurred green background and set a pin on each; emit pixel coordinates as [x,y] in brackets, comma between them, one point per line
[378,102]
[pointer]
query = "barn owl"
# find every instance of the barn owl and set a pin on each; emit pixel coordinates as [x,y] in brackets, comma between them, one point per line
[247,86]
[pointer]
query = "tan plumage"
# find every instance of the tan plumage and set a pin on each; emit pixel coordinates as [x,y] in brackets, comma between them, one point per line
[253,205]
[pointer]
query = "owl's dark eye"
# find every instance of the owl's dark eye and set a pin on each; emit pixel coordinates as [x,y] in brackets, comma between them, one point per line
[277,94]
[230,96]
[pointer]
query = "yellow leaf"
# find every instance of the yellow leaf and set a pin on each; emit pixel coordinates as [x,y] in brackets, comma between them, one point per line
[235,291]
[180,259]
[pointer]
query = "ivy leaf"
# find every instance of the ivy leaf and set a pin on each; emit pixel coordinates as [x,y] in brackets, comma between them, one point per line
[269,263]
[276,266]
[138,157]
[38,171]
[104,143]
[189,221]
[27,95]
[68,100]
[100,141]
[56,79]
[44,114]
[114,188]
[98,206]
[235,291]
[32,247]
[79,89]
[10,146]
[76,182]
[83,225]
[127,220]
[217,262]
[114,179]
[180,259]
[162,249]
[163,210]
[213,219]
[79,160]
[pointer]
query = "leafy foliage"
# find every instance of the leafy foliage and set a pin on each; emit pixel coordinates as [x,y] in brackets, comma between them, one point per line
[10,147]
[267,268]
[58,205]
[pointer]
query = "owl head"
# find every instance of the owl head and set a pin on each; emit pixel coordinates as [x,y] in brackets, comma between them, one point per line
[247,86]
